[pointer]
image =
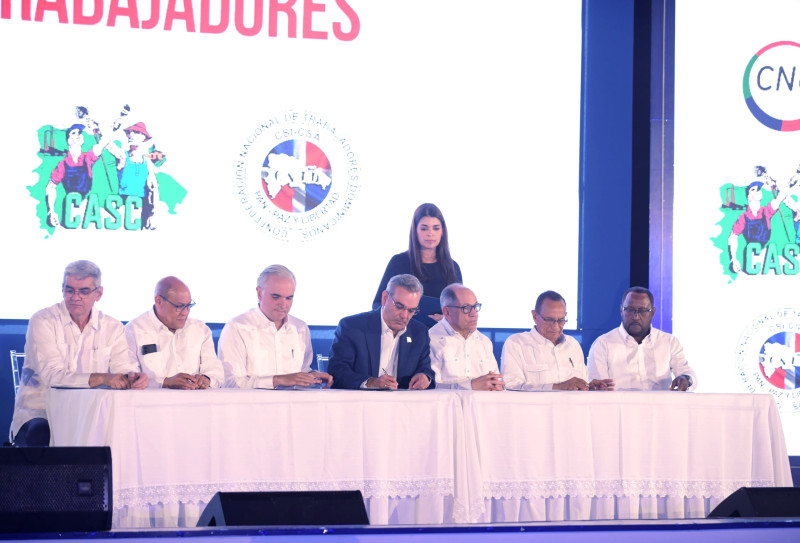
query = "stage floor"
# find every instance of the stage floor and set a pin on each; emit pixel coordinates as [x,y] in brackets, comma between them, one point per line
[689,531]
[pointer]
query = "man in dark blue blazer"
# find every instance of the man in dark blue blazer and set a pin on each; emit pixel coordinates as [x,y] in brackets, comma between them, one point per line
[384,348]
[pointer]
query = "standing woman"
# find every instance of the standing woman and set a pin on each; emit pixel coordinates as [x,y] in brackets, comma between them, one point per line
[428,257]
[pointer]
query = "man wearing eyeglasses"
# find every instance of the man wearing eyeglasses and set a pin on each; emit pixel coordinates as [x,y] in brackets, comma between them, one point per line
[384,348]
[461,356]
[636,355]
[70,344]
[545,358]
[174,350]
[266,347]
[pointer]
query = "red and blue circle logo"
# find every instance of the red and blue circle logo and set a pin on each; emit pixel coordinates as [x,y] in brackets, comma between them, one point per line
[779,360]
[769,80]
[296,176]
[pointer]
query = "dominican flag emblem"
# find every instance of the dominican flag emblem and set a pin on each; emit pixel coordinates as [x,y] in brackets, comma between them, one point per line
[780,360]
[296,176]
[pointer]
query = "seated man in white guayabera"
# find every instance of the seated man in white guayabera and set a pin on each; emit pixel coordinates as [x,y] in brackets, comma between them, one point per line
[636,355]
[266,347]
[70,344]
[173,349]
[461,356]
[545,358]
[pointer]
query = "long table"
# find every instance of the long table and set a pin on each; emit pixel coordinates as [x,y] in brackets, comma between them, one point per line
[173,450]
[432,457]
[618,455]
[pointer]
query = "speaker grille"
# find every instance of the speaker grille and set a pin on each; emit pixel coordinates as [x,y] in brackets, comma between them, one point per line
[55,487]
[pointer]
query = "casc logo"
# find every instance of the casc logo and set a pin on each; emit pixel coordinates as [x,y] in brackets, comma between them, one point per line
[769,80]
[102,176]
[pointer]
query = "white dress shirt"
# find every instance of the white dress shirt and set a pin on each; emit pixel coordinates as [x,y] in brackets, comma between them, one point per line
[57,353]
[188,350]
[389,347]
[633,366]
[457,360]
[253,350]
[389,343]
[532,362]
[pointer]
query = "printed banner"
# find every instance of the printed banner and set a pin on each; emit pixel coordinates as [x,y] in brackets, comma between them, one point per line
[737,199]
[209,139]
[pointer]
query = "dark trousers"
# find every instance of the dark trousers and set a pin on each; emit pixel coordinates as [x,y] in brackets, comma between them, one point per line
[34,433]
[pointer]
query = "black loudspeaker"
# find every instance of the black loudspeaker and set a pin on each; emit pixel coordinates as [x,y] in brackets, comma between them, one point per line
[317,508]
[759,502]
[55,489]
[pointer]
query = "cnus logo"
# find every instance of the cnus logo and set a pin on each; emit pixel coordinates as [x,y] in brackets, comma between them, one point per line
[772,86]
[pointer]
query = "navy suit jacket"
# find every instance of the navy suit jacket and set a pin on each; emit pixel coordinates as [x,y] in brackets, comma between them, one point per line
[356,351]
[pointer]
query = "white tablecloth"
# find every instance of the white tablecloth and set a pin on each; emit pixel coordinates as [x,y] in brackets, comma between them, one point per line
[172,450]
[429,457]
[617,455]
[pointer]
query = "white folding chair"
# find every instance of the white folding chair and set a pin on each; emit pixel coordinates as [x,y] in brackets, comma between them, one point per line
[17,360]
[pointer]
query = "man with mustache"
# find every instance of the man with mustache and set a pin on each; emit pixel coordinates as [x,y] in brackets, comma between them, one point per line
[545,358]
[175,350]
[636,355]
[70,344]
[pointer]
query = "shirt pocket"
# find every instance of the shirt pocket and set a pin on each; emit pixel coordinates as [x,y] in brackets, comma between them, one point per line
[538,374]
[153,364]
[455,367]
[100,360]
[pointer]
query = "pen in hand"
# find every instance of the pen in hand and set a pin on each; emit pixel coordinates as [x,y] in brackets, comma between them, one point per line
[386,380]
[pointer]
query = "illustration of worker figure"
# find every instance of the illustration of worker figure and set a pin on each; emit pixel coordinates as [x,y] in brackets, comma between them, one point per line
[792,201]
[136,171]
[755,223]
[763,177]
[74,172]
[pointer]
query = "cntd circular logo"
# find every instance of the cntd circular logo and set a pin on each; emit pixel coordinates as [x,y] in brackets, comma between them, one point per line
[297,175]
[771,83]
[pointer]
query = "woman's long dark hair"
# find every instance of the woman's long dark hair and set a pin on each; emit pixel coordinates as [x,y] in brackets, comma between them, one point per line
[443,257]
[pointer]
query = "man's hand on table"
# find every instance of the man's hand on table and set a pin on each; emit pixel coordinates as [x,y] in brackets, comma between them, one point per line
[601,384]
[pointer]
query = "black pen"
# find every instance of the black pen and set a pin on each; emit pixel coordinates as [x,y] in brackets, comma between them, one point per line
[570,361]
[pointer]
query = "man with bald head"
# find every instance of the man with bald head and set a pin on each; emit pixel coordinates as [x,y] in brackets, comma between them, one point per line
[174,350]
[461,356]
[546,358]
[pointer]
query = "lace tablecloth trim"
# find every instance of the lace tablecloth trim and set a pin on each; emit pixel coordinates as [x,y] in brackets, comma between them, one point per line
[597,488]
[183,493]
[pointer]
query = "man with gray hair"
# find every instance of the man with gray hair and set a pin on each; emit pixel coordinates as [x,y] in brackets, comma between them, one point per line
[70,344]
[461,356]
[384,348]
[174,350]
[266,347]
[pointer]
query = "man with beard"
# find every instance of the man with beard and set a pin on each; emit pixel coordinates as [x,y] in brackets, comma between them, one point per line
[384,348]
[637,356]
